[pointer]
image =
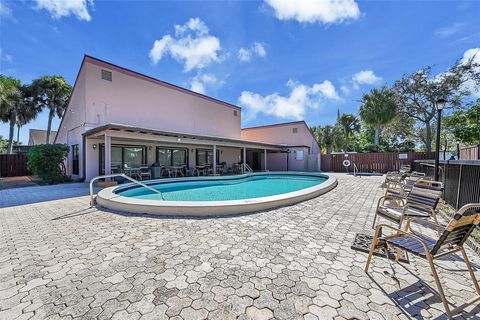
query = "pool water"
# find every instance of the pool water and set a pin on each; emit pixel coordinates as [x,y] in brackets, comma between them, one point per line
[226,189]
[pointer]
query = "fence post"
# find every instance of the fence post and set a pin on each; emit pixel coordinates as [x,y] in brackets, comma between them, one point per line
[459,185]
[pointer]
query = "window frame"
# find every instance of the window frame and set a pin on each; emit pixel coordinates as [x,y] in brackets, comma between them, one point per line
[170,149]
[101,153]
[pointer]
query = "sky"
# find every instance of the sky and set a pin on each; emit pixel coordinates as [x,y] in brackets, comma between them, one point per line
[278,60]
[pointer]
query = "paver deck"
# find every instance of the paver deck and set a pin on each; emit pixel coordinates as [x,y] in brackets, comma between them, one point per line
[61,259]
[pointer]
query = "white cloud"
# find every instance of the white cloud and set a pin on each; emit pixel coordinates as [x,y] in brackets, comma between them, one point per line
[5,11]
[192,45]
[327,89]
[256,49]
[365,77]
[470,85]
[201,82]
[64,8]
[5,57]
[449,30]
[293,106]
[311,11]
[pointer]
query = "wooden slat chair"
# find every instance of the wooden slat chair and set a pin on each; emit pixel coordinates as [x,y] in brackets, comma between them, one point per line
[450,241]
[420,202]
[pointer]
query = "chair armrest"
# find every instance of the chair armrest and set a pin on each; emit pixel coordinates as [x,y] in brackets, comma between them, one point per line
[421,221]
[382,199]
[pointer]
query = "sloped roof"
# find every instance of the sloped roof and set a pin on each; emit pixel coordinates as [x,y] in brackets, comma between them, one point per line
[37,136]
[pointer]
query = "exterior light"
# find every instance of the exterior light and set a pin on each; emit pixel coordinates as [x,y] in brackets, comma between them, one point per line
[94,146]
[441,104]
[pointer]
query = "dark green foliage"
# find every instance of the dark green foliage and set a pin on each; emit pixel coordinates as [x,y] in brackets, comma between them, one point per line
[465,124]
[47,162]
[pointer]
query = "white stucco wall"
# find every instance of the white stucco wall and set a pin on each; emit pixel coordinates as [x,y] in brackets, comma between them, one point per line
[283,134]
[131,100]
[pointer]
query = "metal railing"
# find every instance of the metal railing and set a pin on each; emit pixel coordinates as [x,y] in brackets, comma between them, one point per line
[355,169]
[246,168]
[123,176]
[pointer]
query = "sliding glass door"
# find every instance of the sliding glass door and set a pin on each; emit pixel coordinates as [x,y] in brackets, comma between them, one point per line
[205,156]
[123,157]
[168,157]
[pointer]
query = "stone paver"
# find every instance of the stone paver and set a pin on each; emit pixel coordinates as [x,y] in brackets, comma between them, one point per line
[61,259]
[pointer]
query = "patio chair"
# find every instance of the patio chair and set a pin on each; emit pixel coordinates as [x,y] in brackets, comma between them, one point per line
[145,172]
[450,241]
[420,202]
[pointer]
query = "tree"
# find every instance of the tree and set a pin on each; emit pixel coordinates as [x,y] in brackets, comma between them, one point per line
[325,136]
[51,93]
[10,101]
[465,124]
[378,109]
[347,125]
[418,92]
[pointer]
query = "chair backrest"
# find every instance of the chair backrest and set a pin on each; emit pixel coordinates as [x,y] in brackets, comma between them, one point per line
[423,198]
[459,228]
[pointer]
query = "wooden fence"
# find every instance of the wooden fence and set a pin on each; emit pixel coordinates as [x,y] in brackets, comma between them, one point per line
[12,165]
[381,162]
[470,153]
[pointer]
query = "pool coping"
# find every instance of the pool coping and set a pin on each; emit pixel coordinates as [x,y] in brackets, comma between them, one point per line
[109,199]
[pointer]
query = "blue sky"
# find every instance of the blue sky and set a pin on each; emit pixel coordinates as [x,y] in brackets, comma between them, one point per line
[278,61]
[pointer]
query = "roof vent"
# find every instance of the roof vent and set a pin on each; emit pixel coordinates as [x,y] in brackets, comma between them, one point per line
[106,75]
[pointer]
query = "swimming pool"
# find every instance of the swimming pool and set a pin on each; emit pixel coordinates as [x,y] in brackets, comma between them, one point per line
[203,196]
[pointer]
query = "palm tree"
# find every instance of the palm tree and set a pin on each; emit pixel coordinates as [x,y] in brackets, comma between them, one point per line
[325,136]
[27,110]
[347,125]
[10,100]
[52,93]
[378,109]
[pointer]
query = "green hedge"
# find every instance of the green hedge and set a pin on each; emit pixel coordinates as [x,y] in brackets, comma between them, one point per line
[47,162]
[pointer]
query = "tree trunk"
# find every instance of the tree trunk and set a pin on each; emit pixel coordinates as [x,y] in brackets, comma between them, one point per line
[445,150]
[377,136]
[49,127]
[428,136]
[18,133]
[329,149]
[11,133]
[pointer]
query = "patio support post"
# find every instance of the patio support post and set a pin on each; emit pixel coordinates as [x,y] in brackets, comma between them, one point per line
[214,159]
[244,155]
[108,155]
[265,159]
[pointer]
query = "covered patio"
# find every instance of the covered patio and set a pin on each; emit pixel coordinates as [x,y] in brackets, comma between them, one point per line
[117,148]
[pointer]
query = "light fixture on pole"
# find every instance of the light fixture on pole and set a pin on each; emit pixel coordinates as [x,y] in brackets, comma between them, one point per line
[440,104]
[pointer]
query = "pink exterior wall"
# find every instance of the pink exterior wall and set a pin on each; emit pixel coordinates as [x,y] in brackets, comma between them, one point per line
[138,102]
[283,134]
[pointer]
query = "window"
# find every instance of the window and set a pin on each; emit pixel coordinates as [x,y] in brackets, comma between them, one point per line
[75,159]
[106,75]
[295,130]
[235,113]
[123,156]
[172,156]
[299,155]
[206,156]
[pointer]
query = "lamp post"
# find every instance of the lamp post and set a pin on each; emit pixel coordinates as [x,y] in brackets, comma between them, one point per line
[440,104]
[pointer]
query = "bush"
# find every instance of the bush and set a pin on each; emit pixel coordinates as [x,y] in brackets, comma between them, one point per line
[47,162]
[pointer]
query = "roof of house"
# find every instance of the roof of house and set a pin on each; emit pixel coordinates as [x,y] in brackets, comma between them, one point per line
[277,125]
[116,126]
[162,83]
[37,136]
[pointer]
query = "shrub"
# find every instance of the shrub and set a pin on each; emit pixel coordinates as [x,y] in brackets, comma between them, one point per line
[47,162]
